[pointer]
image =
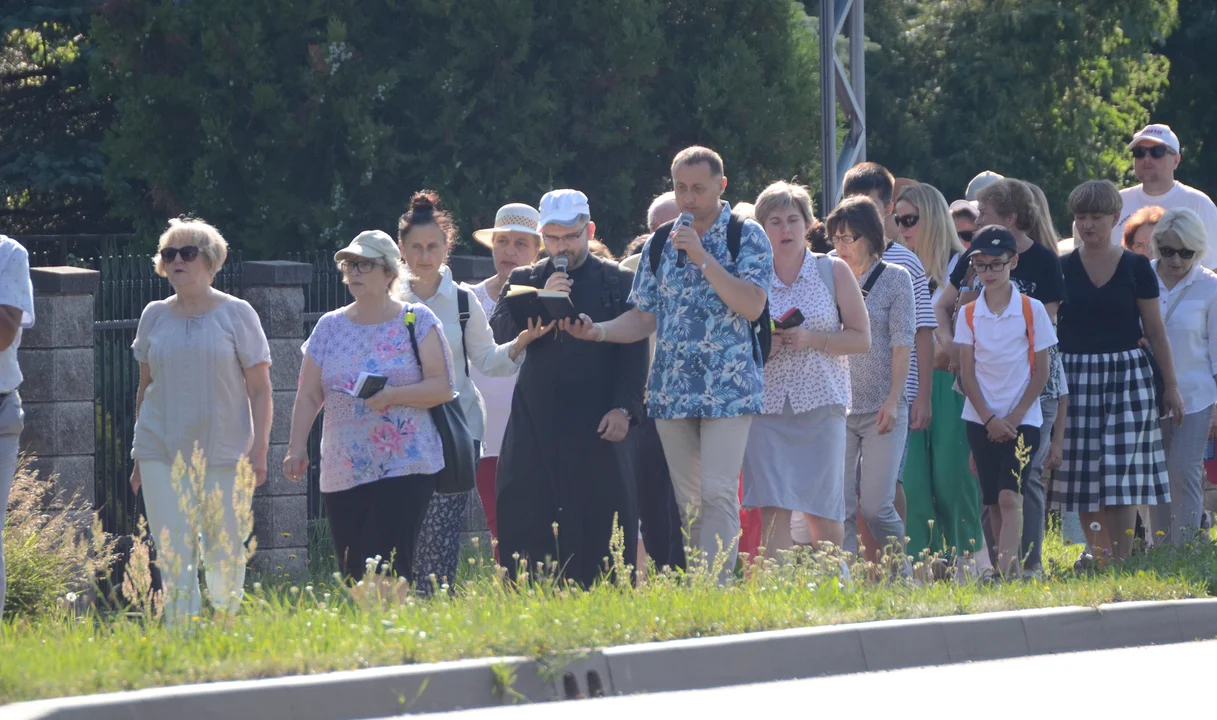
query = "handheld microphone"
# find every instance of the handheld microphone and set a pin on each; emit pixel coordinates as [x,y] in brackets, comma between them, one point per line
[560,263]
[685,220]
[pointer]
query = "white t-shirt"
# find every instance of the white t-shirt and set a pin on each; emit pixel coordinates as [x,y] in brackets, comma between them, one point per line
[16,291]
[1003,369]
[1179,196]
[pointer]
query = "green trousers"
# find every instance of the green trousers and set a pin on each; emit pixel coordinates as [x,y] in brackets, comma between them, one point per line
[943,496]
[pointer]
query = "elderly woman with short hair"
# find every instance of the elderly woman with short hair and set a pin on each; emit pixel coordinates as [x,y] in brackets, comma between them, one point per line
[1113,463]
[1188,297]
[795,458]
[379,456]
[204,382]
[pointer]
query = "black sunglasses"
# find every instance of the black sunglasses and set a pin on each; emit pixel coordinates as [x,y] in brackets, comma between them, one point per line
[907,221]
[1156,152]
[1168,252]
[965,235]
[188,253]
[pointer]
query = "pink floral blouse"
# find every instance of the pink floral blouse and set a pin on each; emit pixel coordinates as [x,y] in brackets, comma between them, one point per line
[359,445]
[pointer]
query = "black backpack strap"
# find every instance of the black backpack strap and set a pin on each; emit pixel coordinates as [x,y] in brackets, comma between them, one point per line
[658,241]
[735,235]
[413,339]
[462,316]
[874,276]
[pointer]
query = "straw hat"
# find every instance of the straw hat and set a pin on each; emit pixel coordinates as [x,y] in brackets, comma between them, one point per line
[513,217]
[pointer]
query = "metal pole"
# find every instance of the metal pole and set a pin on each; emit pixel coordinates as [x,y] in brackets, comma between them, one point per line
[828,105]
[857,73]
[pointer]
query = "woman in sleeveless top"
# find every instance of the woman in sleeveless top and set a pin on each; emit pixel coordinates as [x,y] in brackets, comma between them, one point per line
[794,462]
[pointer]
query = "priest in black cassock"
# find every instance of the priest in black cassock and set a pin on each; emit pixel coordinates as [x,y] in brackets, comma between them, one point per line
[564,460]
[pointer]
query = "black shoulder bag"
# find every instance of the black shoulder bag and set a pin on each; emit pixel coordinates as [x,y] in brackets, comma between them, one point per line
[460,449]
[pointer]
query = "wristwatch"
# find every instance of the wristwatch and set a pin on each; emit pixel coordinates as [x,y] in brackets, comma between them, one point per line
[624,412]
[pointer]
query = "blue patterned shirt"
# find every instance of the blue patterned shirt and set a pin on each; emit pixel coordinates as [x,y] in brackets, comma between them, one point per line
[704,365]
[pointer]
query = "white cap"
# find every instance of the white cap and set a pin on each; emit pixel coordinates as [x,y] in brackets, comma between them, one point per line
[563,207]
[1157,134]
[512,217]
[968,206]
[370,244]
[980,182]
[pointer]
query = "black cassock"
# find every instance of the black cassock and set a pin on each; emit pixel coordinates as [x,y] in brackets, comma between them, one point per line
[553,467]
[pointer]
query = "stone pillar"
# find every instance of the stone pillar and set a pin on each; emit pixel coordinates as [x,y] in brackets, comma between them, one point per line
[275,289]
[56,359]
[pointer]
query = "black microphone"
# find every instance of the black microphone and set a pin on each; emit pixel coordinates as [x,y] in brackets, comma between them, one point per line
[685,220]
[560,263]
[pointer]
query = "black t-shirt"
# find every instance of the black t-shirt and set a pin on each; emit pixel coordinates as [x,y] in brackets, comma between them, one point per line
[1038,274]
[1104,319]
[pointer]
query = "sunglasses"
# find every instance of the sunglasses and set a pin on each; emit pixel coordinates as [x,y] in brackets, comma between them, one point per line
[363,266]
[995,266]
[1156,152]
[907,221]
[188,253]
[965,235]
[1169,252]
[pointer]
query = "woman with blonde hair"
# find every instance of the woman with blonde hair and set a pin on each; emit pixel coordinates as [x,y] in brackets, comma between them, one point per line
[1188,298]
[943,496]
[204,382]
[1042,229]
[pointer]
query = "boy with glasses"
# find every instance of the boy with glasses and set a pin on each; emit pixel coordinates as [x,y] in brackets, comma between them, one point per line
[1156,156]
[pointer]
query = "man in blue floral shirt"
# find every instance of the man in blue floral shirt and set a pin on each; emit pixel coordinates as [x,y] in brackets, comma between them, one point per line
[705,383]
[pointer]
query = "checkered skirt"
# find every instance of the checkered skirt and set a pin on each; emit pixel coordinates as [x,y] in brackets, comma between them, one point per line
[1113,443]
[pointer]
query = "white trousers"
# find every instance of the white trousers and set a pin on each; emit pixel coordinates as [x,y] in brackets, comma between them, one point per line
[182,541]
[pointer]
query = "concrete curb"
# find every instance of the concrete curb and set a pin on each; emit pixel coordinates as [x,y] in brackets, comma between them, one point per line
[656,667]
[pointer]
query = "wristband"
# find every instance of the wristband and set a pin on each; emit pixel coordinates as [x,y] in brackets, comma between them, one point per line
[989,420]
[603,332]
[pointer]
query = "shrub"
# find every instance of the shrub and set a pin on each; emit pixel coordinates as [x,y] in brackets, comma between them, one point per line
[48,553]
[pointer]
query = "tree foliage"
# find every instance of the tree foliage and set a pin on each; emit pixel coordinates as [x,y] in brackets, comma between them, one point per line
[1044,90]
[1189,105]
[50,125]
[293,124]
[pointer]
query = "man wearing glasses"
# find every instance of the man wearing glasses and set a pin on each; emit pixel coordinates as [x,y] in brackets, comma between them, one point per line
[562,482]
[1156,156]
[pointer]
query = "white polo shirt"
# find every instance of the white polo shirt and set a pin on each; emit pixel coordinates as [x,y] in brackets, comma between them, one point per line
[16,291]
[1003,369]
[1192,331]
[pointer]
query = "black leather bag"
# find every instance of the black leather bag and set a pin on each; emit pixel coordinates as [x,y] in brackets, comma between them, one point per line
[460,449]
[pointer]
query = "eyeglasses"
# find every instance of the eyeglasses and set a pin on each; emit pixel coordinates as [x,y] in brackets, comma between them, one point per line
[188,253]
[907,221]
[363,266]
[1169,252]
[965,236]
[845,239]
[995,266]
[569,237]
[1156,152]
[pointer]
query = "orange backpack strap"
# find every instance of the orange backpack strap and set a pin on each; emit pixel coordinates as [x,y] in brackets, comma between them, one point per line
[1029,318]
[969,313]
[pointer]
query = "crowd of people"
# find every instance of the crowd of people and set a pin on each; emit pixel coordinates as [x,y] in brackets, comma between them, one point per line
[894,380]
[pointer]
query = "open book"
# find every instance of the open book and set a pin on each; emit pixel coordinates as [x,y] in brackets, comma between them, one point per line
[366,385]
[524,302]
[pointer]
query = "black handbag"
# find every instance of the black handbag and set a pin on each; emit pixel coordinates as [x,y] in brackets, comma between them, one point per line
[460,449]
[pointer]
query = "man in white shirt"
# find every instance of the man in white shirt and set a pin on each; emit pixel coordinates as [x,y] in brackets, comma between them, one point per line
[16,312]
[1156,156]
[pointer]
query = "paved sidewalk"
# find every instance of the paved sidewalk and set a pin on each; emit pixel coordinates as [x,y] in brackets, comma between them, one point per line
[1171,681]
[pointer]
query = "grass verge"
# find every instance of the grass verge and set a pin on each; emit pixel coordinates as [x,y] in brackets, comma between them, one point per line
[320,628]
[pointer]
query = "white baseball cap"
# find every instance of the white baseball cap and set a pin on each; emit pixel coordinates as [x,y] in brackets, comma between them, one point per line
[512,217]
[968,206]
[563,207]
[1157,134]
[980,182]
[370,245]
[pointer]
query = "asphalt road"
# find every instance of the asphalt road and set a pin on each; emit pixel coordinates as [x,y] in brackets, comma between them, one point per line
[1171,681]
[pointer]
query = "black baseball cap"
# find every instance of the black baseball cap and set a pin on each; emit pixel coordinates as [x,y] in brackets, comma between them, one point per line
[993,240]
